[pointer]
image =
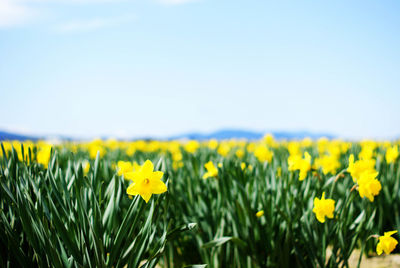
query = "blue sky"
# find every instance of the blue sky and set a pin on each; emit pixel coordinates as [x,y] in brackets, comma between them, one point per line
[88,68]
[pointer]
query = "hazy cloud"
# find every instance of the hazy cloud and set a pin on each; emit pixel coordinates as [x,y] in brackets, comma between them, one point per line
[15,13]
[21,12]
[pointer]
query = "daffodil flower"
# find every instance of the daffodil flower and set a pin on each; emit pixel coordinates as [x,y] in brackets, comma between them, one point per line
[212,171]
[368,185]
[302,164]
[386,243]
[323,207]
[146,182]
[391,154]
[260,213]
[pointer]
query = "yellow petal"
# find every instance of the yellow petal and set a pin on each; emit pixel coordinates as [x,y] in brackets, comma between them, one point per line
[158,187]
[147,168]
[146,196]
[390,233]
[133,176]
[320,217]
[157,175]
[379,249]
[132,190]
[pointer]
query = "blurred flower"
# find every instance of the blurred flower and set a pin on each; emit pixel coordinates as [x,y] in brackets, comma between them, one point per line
[146,182]
[86,167]
[212,171]
[260,213]
[306,142]
[243,165]
[269,140]
[130,151]
[368,185]
[177,156]
[192,146]
[212,144]
[391,154]
[328,164]
[386,243]
[367,149]
[43,155]
[96,146]
[263,154]
[239,153]
[323,207]
[360,166]
[126,169]
[301,164]
[322,144]
[224,149]
[294,148]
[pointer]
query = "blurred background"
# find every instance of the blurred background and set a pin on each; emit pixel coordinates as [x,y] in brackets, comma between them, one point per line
[165,68]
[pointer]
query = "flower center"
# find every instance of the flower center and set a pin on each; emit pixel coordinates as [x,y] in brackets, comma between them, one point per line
[146,181]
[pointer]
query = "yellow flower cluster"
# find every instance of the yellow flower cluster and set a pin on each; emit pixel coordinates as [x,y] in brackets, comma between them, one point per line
[295,162]
[364,174]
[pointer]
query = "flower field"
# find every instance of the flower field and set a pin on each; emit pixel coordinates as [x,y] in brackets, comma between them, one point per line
[234,203]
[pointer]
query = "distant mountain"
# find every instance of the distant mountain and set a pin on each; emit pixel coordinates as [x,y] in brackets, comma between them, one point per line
[13,136]
[250,135]
[219,135]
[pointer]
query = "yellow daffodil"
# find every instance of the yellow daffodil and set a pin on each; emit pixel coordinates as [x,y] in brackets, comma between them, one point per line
[269,140]
[302,164]
[130,151]
[243,165]
[322,144]
[391,154]
[212,171]
[177,156]
[224,149]
[86,167]
[96,146]
[368,185]
[358,167]
[263,154]
[260,213]
[328,164]
[306,142]
[239,153]
[212,144]
[43,156]
[146,182]
[124,167]
[127,168]
[294,148]
[323,207]
[251,147]
[386,243]
[192,146]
